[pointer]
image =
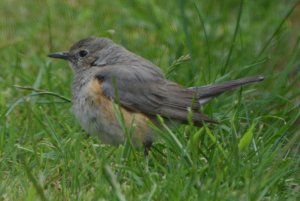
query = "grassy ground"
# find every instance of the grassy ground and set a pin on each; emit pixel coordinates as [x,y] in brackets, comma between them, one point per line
[252,155]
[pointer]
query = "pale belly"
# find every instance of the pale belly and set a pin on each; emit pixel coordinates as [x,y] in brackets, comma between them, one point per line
[97,116]
[95,123]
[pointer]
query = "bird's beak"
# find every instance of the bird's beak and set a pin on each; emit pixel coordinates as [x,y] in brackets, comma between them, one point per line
[60,55]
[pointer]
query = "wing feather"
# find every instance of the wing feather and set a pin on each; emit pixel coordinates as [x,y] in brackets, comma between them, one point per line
[140,89]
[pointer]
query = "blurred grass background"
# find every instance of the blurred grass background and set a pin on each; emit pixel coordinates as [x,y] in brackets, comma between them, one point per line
[252,155]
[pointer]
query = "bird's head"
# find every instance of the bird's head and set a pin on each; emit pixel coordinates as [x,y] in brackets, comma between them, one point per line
[87,53]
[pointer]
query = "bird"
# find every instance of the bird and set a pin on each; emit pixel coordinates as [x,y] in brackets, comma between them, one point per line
[106,74]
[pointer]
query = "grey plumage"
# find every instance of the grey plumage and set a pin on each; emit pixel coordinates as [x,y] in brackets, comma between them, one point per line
[140,86]
[158,96]
[152,96]
[136,84]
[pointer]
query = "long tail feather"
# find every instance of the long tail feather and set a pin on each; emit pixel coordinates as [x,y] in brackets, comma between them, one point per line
[208,92]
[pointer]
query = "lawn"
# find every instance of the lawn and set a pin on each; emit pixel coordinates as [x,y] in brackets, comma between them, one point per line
[252,154]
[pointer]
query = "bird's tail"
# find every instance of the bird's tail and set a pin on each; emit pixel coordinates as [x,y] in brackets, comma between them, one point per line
[208,92]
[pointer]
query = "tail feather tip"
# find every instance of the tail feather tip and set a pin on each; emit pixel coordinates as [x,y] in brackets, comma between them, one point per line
[260,78]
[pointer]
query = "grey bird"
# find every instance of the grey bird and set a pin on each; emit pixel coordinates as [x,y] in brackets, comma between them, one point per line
[107,74]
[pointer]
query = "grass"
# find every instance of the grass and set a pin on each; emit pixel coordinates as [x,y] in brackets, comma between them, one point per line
[252,155]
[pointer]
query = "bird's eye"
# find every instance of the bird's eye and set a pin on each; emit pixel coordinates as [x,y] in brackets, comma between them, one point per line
[82,53]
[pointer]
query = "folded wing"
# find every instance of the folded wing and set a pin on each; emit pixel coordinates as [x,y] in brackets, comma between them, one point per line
[143,90]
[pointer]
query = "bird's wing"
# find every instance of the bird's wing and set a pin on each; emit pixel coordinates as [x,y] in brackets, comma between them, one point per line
[141,89]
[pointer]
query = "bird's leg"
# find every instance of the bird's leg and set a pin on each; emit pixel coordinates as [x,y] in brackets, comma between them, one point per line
[147,147]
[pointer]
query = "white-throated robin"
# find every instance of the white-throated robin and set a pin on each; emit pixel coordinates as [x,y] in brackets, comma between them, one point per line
[107,73]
